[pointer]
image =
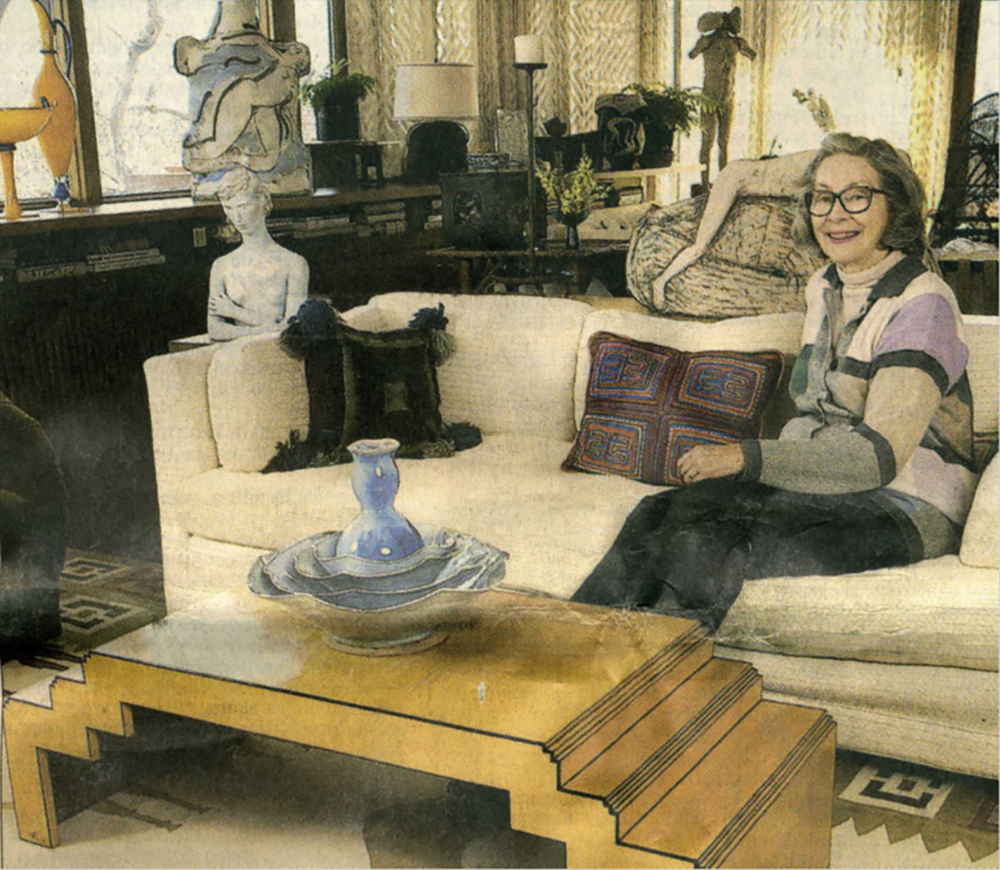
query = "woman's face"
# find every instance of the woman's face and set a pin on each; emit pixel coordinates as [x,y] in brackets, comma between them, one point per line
[852,241]
[246,212]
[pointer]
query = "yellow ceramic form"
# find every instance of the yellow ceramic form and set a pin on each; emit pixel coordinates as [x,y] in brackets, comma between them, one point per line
[17,125]
[53,88]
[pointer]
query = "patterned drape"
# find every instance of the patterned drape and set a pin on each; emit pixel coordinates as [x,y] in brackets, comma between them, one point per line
[884,66]
[593,47]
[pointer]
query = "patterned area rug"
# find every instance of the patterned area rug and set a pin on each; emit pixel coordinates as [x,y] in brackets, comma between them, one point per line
[469,828]
[943,808]
[100,598]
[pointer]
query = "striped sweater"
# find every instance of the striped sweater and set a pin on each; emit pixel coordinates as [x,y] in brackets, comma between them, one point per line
[880,390]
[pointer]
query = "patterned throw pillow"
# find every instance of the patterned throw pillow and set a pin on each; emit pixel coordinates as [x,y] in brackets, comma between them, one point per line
[647,405]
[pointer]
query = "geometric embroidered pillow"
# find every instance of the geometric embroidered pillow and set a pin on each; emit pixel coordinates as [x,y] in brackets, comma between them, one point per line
[647,405]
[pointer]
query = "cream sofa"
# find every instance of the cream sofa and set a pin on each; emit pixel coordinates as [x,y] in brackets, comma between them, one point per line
[904,659]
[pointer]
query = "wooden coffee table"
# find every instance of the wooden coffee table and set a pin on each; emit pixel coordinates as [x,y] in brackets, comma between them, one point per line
[616,733]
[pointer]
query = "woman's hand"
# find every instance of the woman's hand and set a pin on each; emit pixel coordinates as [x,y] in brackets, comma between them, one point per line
[704,462]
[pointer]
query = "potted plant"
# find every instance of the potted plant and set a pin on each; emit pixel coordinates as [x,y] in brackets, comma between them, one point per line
[668,110]
[334,95]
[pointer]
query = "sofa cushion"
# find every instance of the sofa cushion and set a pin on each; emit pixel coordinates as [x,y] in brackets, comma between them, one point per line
[912,615]
[981,537]
[647,404]
[514,360]
[778,332]
[509,492]
[557,526]
[257,394]
[981,333]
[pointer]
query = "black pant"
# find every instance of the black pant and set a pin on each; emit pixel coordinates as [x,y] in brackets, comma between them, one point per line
[687,551]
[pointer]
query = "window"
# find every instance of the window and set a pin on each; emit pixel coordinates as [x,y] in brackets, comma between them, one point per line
[312,27]
[893,62]
[988,50]
[140,101]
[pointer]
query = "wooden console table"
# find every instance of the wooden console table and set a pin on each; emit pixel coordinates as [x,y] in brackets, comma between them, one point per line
[479,269]
[617,733]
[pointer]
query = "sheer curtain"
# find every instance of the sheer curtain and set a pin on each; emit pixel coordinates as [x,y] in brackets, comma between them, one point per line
[885,68]
[593,47]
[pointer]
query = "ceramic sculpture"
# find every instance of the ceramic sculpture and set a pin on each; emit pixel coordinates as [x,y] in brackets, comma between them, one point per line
[53,88]
[719,47]
[243,103]
[260,285]
[382,585]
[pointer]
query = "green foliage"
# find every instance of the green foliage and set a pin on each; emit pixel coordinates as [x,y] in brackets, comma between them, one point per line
[669,108]
[335,84]
[573,192]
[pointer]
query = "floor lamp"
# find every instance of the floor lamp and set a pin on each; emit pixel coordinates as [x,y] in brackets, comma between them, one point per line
[529,56]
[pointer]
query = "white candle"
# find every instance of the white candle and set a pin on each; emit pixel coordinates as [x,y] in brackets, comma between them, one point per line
[529,49]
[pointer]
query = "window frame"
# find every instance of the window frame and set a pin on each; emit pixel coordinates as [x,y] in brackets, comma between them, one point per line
[277,21]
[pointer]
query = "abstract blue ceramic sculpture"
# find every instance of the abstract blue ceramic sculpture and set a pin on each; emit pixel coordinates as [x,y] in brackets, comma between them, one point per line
[382,585]
[380,533]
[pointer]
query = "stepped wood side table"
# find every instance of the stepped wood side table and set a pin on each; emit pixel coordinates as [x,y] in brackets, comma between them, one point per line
[617,733]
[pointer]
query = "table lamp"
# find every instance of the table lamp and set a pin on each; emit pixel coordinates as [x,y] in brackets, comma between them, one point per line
[436,94]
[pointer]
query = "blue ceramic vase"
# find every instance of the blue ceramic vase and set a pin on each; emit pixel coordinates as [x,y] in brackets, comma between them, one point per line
[379,533]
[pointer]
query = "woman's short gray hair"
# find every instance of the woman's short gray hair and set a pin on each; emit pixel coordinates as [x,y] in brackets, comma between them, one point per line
[905,230]
[241,180]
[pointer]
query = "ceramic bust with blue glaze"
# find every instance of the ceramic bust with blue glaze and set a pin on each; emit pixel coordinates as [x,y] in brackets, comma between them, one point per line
[379,533]
[243,103]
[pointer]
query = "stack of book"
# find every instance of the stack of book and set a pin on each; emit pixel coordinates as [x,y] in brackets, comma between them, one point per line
[435,217]
[280,226]
[324,225]
[384,218]
[125,255]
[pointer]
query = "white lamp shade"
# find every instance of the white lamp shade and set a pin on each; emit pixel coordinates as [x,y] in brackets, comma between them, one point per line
[425,91]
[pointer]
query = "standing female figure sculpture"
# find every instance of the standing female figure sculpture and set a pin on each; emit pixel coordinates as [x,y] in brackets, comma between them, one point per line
[719,47]
[260,285]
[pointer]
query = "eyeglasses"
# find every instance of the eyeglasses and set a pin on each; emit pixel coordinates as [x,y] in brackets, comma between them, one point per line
[853,200]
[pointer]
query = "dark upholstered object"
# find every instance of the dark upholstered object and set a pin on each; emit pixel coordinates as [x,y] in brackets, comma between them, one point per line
[32,529]
[648,404]
[390,386]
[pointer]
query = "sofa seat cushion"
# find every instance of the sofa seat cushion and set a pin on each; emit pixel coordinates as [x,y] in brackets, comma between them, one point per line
[907,615]
[556,526]
[509,492]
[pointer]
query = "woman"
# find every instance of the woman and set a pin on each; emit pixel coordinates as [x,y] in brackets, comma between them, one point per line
[876,467]
[257,287]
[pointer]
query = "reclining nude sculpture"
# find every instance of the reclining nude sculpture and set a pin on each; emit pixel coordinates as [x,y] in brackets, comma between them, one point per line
[260,285]
[779,176]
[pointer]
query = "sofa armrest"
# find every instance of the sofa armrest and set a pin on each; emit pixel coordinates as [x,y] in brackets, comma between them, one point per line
[183,443]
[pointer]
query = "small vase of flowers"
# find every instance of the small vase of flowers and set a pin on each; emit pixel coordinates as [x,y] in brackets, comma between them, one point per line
[573,194]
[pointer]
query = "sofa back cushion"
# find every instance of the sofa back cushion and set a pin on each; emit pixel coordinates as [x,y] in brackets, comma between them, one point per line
[780,332]
[515,358]
[981,537]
